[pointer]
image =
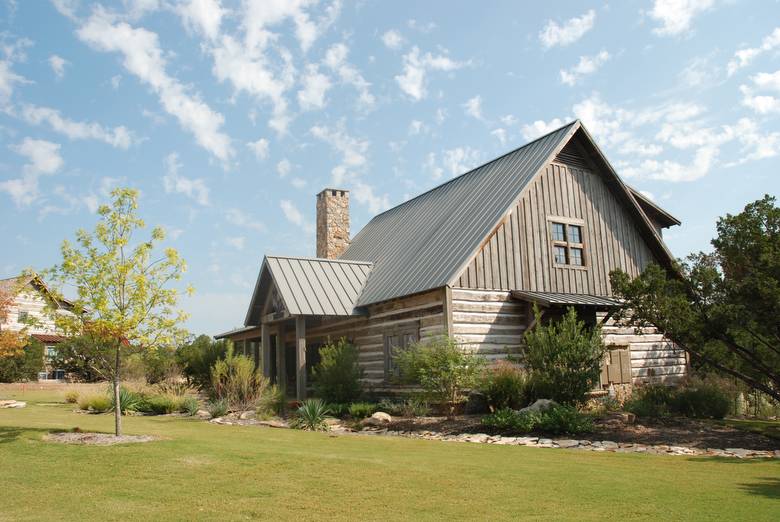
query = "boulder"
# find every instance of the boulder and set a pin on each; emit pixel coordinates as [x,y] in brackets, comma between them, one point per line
[379,418]
[247,415]
[12,404]
[540,405]
[203,414]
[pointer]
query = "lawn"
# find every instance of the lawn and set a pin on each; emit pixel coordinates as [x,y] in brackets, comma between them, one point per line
[205,471]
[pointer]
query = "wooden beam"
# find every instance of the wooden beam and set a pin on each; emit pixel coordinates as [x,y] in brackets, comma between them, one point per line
[265,340]
[300,357]
[281,362]
[275,317]
[448,310]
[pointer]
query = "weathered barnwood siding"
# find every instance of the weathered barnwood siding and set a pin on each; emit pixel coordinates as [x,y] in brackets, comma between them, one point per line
[653,357]
[422,313]
[518,254]
[31,300]
[489,323]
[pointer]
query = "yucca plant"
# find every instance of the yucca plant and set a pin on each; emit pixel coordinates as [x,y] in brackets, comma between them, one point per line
[128,400]
[217,408]
[311,416]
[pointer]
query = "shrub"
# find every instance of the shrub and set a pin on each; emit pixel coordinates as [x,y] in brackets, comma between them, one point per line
[217,408]
[72,396]
[190,406]
[361,410]
[339,409]
[236,380]
[128,400]
[24,365]
[174,387]
[650,401]
[504,386]
[507,419]
[701,401]
[271,401]
[160,404]
[337,375]
[160,364]
[442,369]
[311,415]
[564,358]
[198,357]
[556,420]
[95,403]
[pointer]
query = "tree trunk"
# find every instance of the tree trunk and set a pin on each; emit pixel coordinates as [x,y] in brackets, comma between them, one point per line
[117,404]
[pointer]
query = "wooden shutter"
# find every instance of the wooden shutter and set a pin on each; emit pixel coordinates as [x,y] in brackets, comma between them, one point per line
[617,367]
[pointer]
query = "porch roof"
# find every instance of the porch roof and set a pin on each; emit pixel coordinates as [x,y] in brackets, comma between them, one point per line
[559,299]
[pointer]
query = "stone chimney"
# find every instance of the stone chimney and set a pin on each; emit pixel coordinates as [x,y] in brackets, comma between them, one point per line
[332,223]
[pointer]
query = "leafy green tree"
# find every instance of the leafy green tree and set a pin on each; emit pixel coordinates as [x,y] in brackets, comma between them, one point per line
[443,369]
[82,356]
[24,364]
[124,293]
[337,375]
[197,357]
[564,358]
[721,307]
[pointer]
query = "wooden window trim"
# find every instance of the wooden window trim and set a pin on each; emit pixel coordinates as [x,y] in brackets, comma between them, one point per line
[409,330]
[567,222]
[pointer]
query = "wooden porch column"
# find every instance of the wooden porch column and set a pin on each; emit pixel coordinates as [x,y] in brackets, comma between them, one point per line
[265,339]
[300,357]
[281,362]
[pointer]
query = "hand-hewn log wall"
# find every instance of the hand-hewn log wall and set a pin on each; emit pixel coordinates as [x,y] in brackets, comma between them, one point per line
[31,300]
[422,313]
[489,323]
[654,359]
[518,255]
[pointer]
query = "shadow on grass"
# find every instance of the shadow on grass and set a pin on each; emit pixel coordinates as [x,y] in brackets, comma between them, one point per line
[13,433]
[769,487]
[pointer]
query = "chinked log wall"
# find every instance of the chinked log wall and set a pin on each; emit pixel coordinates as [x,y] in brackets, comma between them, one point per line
[421,313]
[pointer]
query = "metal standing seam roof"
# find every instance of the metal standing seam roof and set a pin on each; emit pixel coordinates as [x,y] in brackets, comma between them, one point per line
[553,298]
[422,243]
[314,286]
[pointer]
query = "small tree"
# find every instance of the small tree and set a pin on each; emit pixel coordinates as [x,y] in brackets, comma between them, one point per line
[196,359]
[337,375]
[720,307]
[443,369]
[236,380]
[123,294]
[12,342]
[564,358]
[22,365]
[82,357]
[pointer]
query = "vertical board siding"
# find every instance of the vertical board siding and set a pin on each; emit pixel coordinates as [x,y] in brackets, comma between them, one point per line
[518,253]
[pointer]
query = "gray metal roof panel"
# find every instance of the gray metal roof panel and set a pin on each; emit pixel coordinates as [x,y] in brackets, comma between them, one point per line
[422,243]
[555,298]
[314,286]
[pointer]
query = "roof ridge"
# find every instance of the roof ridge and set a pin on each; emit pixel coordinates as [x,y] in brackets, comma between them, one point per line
[323,259]
[479,167]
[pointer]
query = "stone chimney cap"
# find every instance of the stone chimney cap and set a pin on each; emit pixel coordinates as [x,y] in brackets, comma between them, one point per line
[333,190]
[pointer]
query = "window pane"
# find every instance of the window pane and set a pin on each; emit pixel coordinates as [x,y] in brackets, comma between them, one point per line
[575,255]
[558,233]
[560,255]
[575,234]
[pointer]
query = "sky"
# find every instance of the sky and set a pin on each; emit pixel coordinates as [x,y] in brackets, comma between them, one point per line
[230,116]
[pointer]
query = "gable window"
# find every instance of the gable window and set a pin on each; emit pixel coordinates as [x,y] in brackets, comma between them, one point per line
[394,343]
[568,243]
[23,317]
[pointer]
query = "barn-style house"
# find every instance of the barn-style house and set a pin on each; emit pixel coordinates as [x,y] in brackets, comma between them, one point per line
[541,225]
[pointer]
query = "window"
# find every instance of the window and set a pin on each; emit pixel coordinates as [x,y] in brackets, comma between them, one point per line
[394,343]
[23,317]
[51,352]
[568,243]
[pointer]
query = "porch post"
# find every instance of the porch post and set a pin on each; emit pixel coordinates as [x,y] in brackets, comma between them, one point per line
[300,357]
[281,362]
[265,339]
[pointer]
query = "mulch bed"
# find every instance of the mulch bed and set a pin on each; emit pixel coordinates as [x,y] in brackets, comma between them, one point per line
[673,432]
[97,439]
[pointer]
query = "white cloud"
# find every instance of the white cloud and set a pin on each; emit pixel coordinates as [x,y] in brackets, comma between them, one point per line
[675,16]
[283,167]
[762,103]
[7,81]
[423,27]
[500,135]
[666,170]
[116,80]
[143,57]
[195,189]
[432,166]
[57,64]
[508,120]
[259,148]
[416,127]
[744,57]
[392,39]
[298,183]
[460,159]
[569,32]
[294,216]
[315,87]
[415,68]
[540,128]
[336,60]
[473,107]
[43,158]
[202,16]
[240,218]
[118,137]
[587,65]
[237,242]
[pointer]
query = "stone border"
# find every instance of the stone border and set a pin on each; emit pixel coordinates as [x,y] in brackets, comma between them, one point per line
[96,439]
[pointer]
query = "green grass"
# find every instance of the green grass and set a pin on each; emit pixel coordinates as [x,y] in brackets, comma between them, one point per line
[204,471]
[769,429]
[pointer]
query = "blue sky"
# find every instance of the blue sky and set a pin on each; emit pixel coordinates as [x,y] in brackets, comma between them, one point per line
[230,116]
